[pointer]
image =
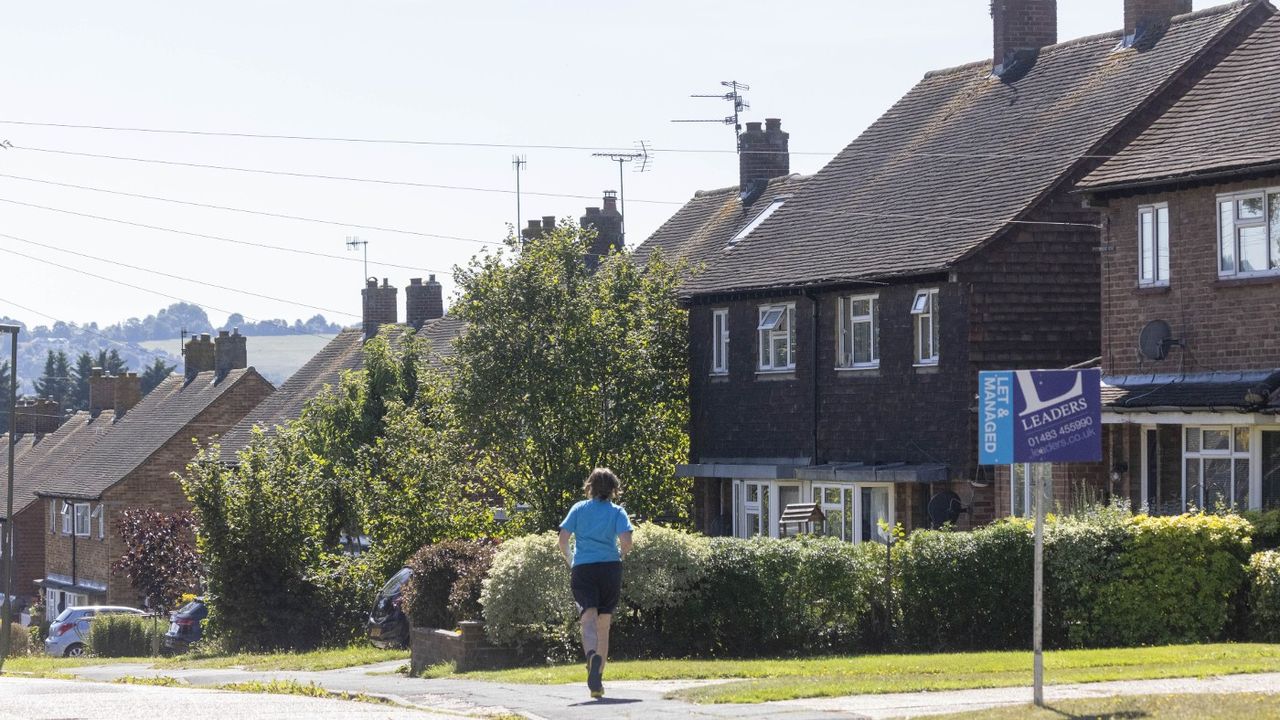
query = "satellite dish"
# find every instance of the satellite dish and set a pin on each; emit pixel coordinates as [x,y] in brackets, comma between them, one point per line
[1155,339]
[945,507]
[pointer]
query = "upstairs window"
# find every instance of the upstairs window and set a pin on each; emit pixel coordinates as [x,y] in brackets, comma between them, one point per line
[756,221]
[66,518]
[1249,233]
[82,519]
[859,332]
[777,337]
[1153,244]
[719,342]
[924,310]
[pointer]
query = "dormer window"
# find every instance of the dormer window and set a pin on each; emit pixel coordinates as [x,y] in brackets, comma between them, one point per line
[756,221]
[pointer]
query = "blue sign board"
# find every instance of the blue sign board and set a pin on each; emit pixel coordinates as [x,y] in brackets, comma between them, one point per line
[1039,416]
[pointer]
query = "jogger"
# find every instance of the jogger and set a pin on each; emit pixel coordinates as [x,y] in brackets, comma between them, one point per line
[602,534]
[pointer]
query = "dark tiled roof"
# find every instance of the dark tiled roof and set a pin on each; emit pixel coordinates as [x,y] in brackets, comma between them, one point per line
[945,169]
[1186,395]
[1226,122]
[344,352]
[42,457]
[163,413]
[441,333]
[700,231]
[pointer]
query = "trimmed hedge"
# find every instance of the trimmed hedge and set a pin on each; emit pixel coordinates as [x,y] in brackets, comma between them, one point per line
[123,635]
[446,583]
[1264,596]
[1266,528]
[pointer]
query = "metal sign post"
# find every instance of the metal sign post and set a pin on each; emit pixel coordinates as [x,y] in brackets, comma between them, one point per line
[1039,417]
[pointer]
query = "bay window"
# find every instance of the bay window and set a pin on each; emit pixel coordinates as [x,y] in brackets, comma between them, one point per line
[1216,467]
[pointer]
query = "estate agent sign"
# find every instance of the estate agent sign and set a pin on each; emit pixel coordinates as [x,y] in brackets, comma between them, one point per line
[1039,416]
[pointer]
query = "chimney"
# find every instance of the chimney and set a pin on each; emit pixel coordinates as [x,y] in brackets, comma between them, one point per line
[230,352]
[1141,15]
[36,417]
[1022,27]
[128,392]
[198,356]
[379,306]
[423,302]
[607,223]
[538,228]
[102,392]
[763,155]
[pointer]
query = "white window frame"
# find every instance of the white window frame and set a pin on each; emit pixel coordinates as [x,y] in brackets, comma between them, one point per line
[1153,246]
[844,505]
[857,511]
[845,350]
[67,520]
[924,309]
[82,512]
[782,327]
[755,222]
[1271,236]
[53,517]
[102,520]
[1022,485]
[720,341]
[1232,454]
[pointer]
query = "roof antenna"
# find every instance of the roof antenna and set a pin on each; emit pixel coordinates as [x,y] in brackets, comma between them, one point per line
[641,155]
[518,162]
[354,242]
[739,104]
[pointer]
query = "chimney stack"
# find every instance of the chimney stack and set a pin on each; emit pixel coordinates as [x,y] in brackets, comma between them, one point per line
[128,392]
[1141,15]
[114,392]
[230,352]
[538,228]
[36,417]
[607,223]
[1022,27]
[198,356]
[763,154]
[379,306]
[423,302]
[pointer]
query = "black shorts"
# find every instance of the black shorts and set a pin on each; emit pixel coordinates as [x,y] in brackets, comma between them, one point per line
[596,585]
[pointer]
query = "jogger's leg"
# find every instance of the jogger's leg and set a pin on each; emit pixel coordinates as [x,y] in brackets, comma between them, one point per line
[602,635]
[590,637]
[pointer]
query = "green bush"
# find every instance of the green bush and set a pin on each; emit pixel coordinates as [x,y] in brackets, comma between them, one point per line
[1082,554]
[446,584]
[966,590]
[123,635]
[1266,528]
[1178,581]
[20,643]
[1264,596]
[526,596]
[345,588]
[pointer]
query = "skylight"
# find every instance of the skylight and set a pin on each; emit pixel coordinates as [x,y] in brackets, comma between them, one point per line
[755,222]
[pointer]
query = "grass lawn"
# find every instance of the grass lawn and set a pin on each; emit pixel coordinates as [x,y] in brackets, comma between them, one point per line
[310,661]
[762,680]
[47,666]
[1244,706]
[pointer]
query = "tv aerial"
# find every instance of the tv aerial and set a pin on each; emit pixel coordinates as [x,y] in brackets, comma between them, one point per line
[735,97]
[642,159]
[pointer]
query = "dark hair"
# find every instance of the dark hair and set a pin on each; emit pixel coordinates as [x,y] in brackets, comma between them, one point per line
[602,484]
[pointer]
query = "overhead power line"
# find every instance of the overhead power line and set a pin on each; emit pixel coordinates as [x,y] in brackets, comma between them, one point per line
[264,213]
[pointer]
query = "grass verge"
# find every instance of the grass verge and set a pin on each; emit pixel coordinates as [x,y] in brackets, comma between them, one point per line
[307,661]
[773,679]
[1243,706]
[158,680]
[293,687]
[47,666]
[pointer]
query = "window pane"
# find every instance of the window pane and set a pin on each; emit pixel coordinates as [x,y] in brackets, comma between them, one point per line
[1242,439]
[1193,440]
[921,303]
[831,496]
[846,335]
[753,524]
[834,524]
[1217,484]
[791,333]
[1146,241]
[1273,203]
[1253,249]
[1193,484]
[875,330]
[770,317]
[1018,490]
[1249,208]
[933,327]
[848,514]
[1270,470]
[1217,440]
[1226,238]
[765,516]
[861,308]
[780,350]
[764,349]
[862,342]
[753,493]
[1240,496]
[1162,244]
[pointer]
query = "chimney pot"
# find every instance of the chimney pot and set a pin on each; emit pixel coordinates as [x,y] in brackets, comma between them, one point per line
[416,281]
[753,128]
[548,222]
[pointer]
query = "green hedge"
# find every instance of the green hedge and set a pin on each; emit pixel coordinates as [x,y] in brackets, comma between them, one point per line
[123,635]
[1111,578]
[1266,528]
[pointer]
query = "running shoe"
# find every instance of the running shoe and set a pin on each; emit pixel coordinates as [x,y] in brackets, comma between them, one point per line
[595,681]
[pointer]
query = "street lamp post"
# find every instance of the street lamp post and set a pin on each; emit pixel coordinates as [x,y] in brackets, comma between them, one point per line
[6,626]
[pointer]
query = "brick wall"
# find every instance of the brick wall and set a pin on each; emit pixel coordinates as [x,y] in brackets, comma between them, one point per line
[1227,324]
[30,527]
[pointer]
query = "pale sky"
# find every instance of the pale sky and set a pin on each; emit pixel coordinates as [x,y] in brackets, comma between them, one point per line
[566,73]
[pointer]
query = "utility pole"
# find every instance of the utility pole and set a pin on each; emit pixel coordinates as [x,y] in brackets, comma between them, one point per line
[518,162]
[642,155]
[354,242]
[6,626]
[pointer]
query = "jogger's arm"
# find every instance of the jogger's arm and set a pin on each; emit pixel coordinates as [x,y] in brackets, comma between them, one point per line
[564,547]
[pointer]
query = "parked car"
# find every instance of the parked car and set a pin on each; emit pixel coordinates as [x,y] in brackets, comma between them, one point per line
[186,625]
[69,632]
[388,626]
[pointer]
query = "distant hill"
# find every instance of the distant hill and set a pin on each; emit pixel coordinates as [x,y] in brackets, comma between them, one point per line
[275,356]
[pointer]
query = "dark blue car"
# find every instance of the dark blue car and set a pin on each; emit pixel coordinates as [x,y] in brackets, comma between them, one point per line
[186,626]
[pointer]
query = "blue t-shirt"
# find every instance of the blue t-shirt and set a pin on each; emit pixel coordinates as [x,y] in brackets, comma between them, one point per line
[596,525]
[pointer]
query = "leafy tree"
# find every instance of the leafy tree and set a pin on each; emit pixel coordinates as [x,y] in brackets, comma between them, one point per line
[563,369]
[155,374]
[55,383]
[159,554]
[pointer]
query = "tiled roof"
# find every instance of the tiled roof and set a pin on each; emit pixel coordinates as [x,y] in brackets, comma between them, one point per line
[344,352]
[163,413]
[441,333]
[1226,122]
[1230,395]
[945,169]
[41,457]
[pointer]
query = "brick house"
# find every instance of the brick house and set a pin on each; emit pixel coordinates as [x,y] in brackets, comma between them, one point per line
[1191,255]
[132,464]
[838,322]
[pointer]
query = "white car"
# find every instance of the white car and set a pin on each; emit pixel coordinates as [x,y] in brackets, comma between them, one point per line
[69,632]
